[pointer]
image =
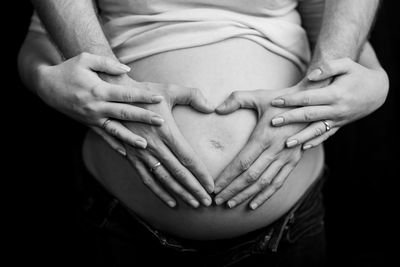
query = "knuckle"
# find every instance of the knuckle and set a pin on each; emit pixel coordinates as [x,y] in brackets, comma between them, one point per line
[278,185]
[252,176]
[104,61]
[147,180]
[96,91]
[89,109]
[112,130]
[124,114]
[146,117]
[179,172]
[341,113]
[326,67]
[262,139]
[235,95]
[295,158]
[182,193]
[195,92]
[167,136]
[128,96]
[230,191]
[244,164]
[198,191]
[163,177]
[306,100]
[317,132]
[263,182]
[83,56]
[309,116]
[79,97]
[186,161]
[170,89]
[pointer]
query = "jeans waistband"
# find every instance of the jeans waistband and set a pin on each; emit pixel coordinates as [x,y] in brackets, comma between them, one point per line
[269,237]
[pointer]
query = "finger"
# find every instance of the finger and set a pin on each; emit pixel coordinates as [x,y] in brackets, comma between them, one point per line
[150,182]
[261,184]
[118,93]
[314,130]
[191,96]
[181,174]
[304,114]
[246,179]
[277,183]
[320,139]
[104,64]
[305,98]
[331,68]
[165,178]
[113,142]
[188,158]
[241,163]
[235,101]
[126,112]
[118,130]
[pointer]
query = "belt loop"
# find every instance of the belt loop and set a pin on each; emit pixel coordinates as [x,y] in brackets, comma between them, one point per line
[276,239]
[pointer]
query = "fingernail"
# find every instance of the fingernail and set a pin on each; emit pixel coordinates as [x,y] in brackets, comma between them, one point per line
[171,204]
[218,201]
[141,143]
[210,189]
[194,203]
[157,120]
[217,189]
[253,206]
[277,121]
[124,67]
[206,202]
[307,147]
[156,98]
[278,102]
[121,151]
[291,143]
[314,74]
[231,204]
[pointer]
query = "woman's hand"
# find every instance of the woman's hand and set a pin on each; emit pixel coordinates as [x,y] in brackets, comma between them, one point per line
[180,172]
[75,88]
[355,92]
[264,163]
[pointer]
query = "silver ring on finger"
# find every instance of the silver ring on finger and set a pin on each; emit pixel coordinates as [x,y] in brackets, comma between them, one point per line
[155,166]
[328,127]
[105,123]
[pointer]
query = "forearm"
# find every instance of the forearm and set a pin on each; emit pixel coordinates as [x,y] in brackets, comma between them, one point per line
[36,51]
[73,26]
[344,29]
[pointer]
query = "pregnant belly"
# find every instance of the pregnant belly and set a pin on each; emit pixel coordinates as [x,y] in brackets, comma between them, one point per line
[217,70]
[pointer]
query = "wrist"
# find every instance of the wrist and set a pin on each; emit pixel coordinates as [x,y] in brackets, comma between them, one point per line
[40,78]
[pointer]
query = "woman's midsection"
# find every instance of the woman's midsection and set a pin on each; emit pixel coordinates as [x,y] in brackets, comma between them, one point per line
[217,70]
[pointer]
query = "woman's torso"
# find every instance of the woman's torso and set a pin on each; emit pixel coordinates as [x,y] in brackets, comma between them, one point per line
[217,70]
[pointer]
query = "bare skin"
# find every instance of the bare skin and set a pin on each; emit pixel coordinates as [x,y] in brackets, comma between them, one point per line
[338,15]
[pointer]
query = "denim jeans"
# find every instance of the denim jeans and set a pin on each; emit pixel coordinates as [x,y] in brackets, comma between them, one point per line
[295,239]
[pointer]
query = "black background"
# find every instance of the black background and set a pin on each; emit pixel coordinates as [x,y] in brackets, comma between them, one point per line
[40,199]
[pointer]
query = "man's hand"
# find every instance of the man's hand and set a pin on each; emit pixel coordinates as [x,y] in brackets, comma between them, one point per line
[181,172]
[264,163]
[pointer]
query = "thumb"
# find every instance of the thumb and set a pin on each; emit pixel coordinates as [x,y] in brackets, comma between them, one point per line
[330,69]
[236,100]
[193,97]
[106,64]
